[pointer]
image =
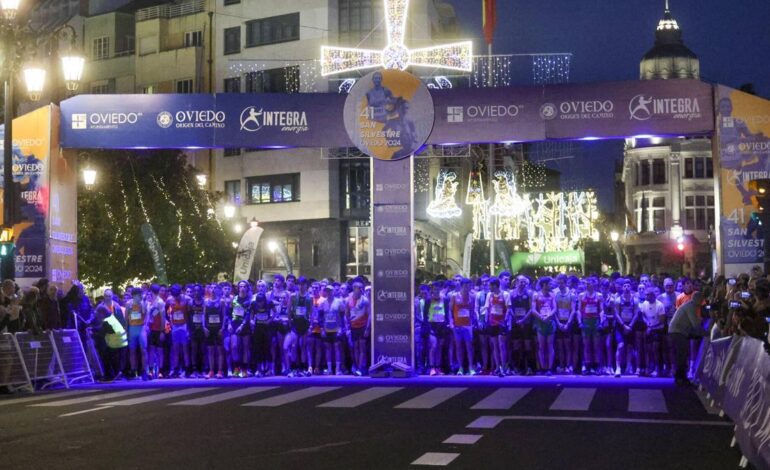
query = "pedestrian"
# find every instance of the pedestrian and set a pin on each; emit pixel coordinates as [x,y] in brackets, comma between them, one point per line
[683,325]
[116,342]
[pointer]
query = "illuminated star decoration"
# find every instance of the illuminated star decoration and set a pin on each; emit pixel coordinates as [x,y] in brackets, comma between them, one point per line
[456,56]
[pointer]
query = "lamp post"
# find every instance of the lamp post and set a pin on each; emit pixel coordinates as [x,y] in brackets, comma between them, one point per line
[15,35]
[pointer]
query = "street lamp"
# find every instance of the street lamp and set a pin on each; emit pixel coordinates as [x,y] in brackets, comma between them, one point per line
[614,236]
[89,177]
[34,77]
[202,179]
[238,228]
[229,211]
[72,66]
[272,245]
[10,8]
[253,223]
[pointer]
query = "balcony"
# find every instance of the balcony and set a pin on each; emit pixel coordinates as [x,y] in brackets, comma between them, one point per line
[171,10]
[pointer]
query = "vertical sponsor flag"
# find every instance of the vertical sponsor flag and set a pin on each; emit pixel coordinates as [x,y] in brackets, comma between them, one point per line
[153,244]
[490,20]
[247,251]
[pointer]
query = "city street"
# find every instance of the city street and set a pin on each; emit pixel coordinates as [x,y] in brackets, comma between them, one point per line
[328,423]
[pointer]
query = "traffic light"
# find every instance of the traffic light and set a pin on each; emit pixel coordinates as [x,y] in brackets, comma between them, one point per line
[680,244]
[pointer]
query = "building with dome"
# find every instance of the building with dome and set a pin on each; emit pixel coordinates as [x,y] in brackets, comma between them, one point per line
[669,182]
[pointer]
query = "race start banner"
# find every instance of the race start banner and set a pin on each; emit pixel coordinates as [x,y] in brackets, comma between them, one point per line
[547,259]
[39,237]
[742,146]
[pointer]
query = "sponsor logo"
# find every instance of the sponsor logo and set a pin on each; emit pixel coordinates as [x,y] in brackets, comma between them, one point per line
[643,108]
[395,339]
[383,230]
[455,114]
[548,111]
[481,113]
[754,146]
[27,168]
[756,120]
[393,273]
[393,209]
[391,295]
[386,358]
[382,187]
[164,119]
[253,120]
[104,120]
[79,121]
[383,317]
[380,252]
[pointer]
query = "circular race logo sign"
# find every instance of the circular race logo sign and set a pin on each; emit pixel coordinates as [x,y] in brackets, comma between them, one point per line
[389,114]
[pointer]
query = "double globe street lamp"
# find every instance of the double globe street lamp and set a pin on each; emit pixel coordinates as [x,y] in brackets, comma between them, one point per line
[18,41]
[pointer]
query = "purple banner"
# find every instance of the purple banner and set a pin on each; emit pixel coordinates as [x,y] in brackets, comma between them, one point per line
[462,116]
[712,366]
[393,264]
[747,401]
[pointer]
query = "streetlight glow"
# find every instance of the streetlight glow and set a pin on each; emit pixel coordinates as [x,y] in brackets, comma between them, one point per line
[614,236]
[72,66]
[89,177]
[272,245]
[10,8]
[238,228]
[202,179]
[34,77]
[229,211]
[253,223]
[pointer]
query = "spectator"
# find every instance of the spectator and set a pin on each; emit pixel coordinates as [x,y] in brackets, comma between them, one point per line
[31,318]
[684,324]
[115,342]
[51,309]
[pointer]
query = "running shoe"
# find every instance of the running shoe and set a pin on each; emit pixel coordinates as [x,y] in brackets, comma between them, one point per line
[358,373]
[584,370]
[291,375]
[500,373]
[433,372]
[472,372]
[210,375]
[339,372]
[617,371]
[219,375]
[459,371]
[654,374]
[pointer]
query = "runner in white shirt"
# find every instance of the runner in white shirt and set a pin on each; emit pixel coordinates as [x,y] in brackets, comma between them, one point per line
[653,312]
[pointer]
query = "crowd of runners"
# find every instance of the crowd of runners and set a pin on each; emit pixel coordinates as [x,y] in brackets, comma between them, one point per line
[489,325]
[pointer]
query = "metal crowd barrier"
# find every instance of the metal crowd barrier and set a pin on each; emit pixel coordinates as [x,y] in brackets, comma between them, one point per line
[41,359]
[13,371]
[72,356]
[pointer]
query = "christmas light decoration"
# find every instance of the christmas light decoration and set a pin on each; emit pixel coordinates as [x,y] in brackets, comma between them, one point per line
[507,202]
[443,205]
[456,56]
[551,69]
[559,221]
[474,197]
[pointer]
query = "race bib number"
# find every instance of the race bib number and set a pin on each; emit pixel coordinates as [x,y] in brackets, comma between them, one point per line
[464,313]
[520,312]
[178,316]
[590,308]
[497,310]
[283,317]
[331,317]
[262,316]
[197,318]
[545,310]
[626,314]
[563,314]
[135,316]
[301,312]
[214,320]
[238,311]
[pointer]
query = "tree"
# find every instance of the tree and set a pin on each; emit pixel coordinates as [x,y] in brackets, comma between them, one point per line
[156,187]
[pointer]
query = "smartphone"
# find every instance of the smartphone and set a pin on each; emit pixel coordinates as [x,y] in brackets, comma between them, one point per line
[767,319]
[745,295]
[735,304]
[731,282]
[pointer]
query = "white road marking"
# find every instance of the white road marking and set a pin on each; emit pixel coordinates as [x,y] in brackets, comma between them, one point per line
[360,398]
[436,459]
[159,396]
[100,408]
[45,396]
[290,397]
[489,422]
[646,401]
[501,399]
[463,439]
[431,398]
[219,397]
[574,399]
[90,398]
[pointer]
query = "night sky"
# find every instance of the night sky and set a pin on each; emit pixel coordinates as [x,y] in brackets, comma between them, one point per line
[609,37]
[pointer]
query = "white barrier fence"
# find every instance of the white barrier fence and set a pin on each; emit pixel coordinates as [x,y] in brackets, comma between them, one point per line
[29,361]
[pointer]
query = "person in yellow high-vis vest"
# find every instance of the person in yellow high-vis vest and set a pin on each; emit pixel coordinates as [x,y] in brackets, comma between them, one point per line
[117,341]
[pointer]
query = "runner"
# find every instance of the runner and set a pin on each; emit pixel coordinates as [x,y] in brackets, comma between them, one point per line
[295,344]
[315,346]
[279,323]
[483,328]
[156,311]
[261,314]
[137,332]
[422,330]
[653,313]
[589,313]
[178,307]
[332,321]
[626,309]
[521,327]
[543,308]
[358,316]
[435,312]
[496,307]
[461,322]
[240,331]
[213,318]
[565,312]
[668,299]
[197,335]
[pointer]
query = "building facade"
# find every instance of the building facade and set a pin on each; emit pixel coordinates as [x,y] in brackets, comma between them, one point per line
[669,183]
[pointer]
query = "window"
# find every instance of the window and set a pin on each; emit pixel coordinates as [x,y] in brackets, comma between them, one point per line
[232,2]
[650,214]
[193,38]
[232,152]
[281,80]
[698,168]
[355,186]
[148,90]
[184,86]
[274,260]
[233,40]
[272,30]
[148,45]
[698,212]
[233,85]
[357,262]
[233,191]
[658,214]
[358,19]
[273,188]
[643,173]
[101,48]
[659,171]
[103,87]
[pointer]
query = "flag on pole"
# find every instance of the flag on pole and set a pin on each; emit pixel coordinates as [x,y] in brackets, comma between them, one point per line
[490,20]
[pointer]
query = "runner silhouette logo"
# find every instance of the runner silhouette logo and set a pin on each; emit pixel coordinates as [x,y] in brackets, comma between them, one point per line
[640,108]
[250,119]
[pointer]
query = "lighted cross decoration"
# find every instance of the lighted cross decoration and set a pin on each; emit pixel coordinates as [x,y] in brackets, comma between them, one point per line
[456,56]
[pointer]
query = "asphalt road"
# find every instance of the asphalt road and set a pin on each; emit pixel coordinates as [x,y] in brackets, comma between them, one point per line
[321,423]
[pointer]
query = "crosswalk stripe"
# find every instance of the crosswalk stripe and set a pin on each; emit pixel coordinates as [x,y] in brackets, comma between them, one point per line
[360,398]
[574,399]
[436,459]
[219,397]
[290,397]
[90,398]
[45,396]
[431,398]
[501,399]
[158,397]
[646,401]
